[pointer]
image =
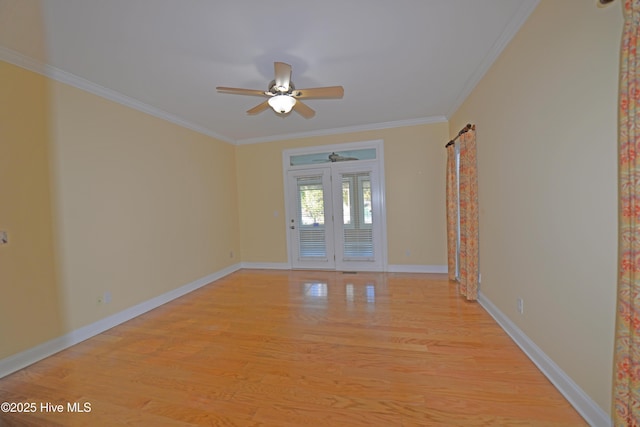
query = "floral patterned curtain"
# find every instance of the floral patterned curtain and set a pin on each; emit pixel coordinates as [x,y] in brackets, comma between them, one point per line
[469,245]
[452,211]
[626,392]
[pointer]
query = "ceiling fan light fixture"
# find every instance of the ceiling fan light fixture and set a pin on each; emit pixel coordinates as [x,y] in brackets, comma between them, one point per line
[282,103]
[282,94]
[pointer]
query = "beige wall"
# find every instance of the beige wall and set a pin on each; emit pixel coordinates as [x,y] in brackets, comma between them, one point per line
[546,131]
[97,198]
[30,311]
[414,169]
[144,206]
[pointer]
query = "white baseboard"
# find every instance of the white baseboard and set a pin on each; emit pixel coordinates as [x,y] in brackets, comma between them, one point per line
[395,268]
[266,265]
[407,268]
[590,411]
[25,358]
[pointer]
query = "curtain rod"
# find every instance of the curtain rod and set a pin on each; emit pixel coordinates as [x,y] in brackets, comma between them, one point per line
[464,130]
[606,1]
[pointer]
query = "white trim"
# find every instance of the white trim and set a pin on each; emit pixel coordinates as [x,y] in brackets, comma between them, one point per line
[383,202]
[521,15]
[266,265]
[345,129]
[399,268]
[25,358]
[406,268]
[65,77]
[590,411]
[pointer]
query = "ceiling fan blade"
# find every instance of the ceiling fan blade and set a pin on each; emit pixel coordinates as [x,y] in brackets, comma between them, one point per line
[283,75]
[319,92]
[240,91]
[259,108]
[304,110]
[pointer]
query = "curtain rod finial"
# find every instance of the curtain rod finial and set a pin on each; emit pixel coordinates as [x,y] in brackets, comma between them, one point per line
[465,129]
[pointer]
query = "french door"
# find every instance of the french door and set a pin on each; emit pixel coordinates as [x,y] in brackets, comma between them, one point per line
[311,218]
[334,217]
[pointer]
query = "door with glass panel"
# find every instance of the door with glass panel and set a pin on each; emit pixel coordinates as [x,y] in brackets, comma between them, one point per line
[357,227]
[310,222]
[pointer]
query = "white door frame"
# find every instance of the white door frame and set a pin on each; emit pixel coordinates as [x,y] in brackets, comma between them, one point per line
[378,145]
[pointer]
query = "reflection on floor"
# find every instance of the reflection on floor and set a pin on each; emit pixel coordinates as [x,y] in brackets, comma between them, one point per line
[318,292]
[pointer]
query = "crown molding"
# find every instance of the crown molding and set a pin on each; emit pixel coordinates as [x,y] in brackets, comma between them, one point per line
[521,15]
[70,79]
[346,129]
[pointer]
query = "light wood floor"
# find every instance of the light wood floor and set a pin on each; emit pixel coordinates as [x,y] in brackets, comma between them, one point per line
[280,348]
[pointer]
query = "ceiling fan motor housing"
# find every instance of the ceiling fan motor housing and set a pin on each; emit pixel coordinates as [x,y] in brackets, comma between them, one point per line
[273,89]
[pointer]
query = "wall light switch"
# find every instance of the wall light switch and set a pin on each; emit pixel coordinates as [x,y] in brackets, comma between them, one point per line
[3,238]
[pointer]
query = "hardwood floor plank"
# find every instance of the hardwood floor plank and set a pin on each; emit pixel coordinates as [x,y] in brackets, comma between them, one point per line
[298,348]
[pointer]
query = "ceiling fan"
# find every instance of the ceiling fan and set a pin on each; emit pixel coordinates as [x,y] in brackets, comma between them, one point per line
[282,94]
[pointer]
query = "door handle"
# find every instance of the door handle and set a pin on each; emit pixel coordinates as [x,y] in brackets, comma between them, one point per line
[293,227]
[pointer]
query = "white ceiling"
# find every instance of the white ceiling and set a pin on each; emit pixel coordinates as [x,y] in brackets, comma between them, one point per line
[399,61]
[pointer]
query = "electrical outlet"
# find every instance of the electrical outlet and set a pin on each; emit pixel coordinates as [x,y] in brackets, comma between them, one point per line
[107,297]
[4,239]
[520,303]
